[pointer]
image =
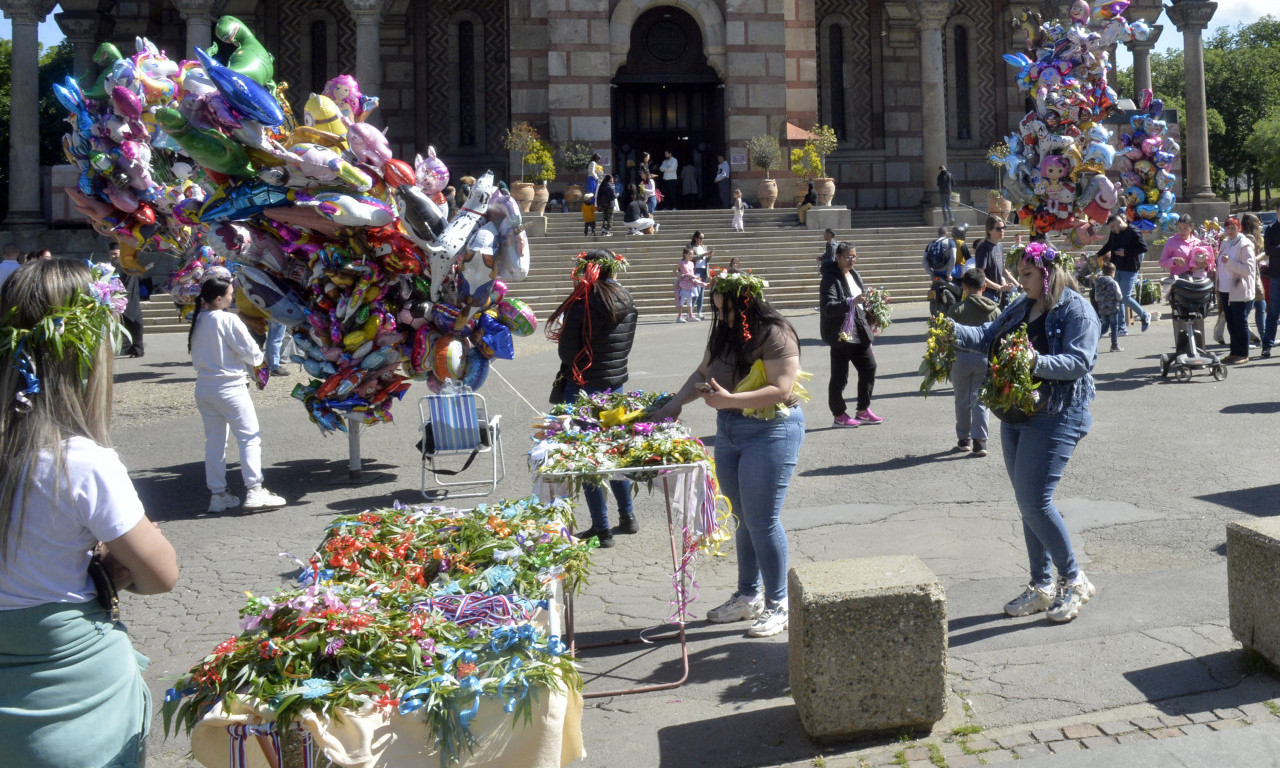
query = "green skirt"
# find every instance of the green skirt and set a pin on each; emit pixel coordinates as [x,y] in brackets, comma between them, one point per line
[71,690]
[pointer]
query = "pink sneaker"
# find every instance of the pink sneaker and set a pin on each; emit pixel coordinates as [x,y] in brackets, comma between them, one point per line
[867,417]
[844,420]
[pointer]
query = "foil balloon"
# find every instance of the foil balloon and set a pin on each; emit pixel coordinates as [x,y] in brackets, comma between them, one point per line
[248,97]
[249,58]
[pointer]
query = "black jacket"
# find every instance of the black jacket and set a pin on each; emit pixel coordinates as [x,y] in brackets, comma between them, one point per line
[636,211]
[835,307]
[1271,243]
[829,253]
[610,342]
[1126,249]
[605,195]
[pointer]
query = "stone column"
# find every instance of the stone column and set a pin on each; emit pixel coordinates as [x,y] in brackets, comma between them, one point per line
[1141,50]
[931,15]
[24,111]
[1191,17]
[368,17]
[199,17]
[81,28]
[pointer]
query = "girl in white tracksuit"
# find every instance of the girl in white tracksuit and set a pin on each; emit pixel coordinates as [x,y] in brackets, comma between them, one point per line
[221,349]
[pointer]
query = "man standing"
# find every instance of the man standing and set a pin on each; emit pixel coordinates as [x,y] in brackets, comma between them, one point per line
[10,263]
[131,318]
[1125,246]
[722,180]
[670,168]
[945,180]
[829,253]
[1271,247]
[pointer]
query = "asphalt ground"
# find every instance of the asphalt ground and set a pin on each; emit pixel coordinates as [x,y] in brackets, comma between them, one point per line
[1146,496]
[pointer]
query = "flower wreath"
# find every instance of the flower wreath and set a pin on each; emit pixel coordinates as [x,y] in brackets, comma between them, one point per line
[1043,256]
[78,327]
[607,267]
[738,284]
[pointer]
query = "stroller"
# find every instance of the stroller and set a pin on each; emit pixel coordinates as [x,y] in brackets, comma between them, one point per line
[1191,300]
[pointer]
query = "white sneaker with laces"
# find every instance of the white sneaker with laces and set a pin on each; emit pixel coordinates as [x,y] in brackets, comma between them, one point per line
[737,608]
[1034,599]
[261,498]
[1070,598]
[221,502]
[771,622]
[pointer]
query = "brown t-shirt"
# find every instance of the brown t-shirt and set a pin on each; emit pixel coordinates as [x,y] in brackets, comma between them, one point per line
[777,344]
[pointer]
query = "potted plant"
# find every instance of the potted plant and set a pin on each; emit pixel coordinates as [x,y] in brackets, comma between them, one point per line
[766,155]
[574,156]
[824,142]
[542,168]
[997,205]
[806,165]
[520,139]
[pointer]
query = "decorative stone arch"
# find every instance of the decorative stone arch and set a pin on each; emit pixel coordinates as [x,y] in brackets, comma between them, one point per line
[479,78]
[706,12]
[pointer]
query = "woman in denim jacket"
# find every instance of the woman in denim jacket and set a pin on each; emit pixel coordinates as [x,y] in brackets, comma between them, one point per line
[1063,330]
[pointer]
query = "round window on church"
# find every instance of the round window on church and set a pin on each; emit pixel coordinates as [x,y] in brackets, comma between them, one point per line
[667,41]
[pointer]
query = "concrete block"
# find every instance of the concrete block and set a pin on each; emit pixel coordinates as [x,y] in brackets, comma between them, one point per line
[1253,580]
[868,637]
[822,217]
[535,225]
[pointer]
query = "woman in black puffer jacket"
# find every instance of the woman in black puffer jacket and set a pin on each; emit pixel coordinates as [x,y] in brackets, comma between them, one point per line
[595,328]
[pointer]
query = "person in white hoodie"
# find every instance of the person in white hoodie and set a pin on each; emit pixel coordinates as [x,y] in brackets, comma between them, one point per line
[221,349]
[1237,263]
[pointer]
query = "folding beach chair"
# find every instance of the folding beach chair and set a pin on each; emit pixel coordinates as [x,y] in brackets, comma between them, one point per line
[459,425]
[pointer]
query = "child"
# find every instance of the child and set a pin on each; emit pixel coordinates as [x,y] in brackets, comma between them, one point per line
[221,348]
[605,195]
[970,368]
[739,205]
[1107,295]
[686,285]
[735,266]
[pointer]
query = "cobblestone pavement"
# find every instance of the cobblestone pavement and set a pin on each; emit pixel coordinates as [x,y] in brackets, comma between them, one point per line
[1146,496]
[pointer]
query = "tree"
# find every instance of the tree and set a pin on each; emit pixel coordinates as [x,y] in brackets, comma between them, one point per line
[1263,145]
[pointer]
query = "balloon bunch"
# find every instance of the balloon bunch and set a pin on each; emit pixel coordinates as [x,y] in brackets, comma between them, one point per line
[1146,162]
[325,230]
[1055,164]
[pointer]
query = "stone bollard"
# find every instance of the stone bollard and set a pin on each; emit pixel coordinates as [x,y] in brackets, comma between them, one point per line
[1253,581]
[868,646]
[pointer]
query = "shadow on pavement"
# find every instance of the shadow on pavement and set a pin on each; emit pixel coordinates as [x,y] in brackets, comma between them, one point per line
[1124,381]
[958,638]
[152,377]
[1252,408]
[1215,677]
[1259,500]
[900,462]
[771,736]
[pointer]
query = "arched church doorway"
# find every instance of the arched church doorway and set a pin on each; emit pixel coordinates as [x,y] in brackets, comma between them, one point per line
[667,97]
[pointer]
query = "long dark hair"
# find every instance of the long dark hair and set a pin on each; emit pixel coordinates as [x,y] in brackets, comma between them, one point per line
[212,288]
[757,319]
[595,284]
[693,239]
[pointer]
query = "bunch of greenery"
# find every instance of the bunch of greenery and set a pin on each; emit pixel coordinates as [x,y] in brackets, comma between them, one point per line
[575,154]
[765,153]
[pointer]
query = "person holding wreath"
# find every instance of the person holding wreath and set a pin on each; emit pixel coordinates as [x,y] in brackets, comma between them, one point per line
[594,329]
[71,687]
[1063,330]
[750,373]
[844,327]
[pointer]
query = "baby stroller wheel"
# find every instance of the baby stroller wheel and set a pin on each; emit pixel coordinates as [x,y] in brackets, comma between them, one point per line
[1184,373]
[1219,372]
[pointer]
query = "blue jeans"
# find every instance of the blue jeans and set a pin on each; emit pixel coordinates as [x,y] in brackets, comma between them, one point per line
[653,204]
[275,341]
[700,291]
[1036,453]
[594,494]
[1126,281]
[1259,313]
[754,461]
[967,374]
[945,197]
[1273,314]
[1113,322]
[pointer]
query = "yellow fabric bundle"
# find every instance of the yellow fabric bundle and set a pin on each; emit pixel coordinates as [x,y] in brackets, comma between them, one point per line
[756,379]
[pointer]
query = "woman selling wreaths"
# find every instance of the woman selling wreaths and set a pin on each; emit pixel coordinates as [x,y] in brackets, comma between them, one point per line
[1063,330]
[595,328]
[750,374]
[71,688]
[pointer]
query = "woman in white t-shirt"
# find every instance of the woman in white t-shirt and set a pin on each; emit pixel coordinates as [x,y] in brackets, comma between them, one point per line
[221,349]
[71,688]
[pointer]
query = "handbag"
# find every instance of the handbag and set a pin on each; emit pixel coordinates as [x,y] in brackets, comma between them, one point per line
[108,596]
[559,384]
[657,193]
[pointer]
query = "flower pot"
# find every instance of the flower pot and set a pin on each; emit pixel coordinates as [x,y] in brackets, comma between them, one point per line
[802,189]
[522,193]
[998,206]
[540,196]
[766,193]
[573,196]
[826,190]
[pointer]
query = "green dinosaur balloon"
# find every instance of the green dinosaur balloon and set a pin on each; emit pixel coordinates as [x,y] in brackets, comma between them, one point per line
[106,56]
[208,148]
[249,58]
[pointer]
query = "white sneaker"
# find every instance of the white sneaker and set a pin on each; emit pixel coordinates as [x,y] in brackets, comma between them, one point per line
[1033,599]
[221,502]
[737,608]
[771,622]
[261,498]
[1070,598]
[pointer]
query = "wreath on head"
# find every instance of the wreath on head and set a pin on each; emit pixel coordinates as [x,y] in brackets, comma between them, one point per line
[608,264]
[740,284]
[1043,256]
[78,327]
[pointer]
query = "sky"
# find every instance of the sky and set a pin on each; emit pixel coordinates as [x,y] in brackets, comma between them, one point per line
[1230,13]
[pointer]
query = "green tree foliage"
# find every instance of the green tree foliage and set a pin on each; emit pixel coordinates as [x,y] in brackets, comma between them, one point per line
[55,64]
[1263,145]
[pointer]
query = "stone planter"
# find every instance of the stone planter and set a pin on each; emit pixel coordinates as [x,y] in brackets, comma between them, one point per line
[540,197]
[766,193]
[825,189]
[802,189]
[573,197]
[998,206]
[522,193]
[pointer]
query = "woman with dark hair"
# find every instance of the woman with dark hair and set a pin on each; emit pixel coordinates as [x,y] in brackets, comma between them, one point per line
[810,200]
[71,687]
[701,267]
[749,374]
[844,300]
[637,216]
[594,329]
[1063,330]
[221,349]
